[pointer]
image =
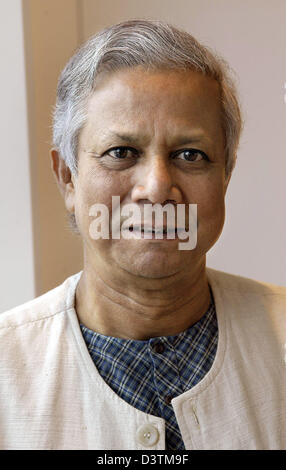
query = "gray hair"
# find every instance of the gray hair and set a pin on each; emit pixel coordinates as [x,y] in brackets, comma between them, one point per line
[150,43]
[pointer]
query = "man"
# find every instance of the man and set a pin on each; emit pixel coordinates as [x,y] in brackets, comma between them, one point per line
[146,348]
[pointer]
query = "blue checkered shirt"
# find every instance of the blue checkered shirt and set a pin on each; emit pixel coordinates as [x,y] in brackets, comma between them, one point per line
[148,374]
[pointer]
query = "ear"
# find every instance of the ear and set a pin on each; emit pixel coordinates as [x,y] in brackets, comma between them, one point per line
[65,180]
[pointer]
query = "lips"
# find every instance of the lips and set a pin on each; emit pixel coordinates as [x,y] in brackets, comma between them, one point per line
[155,230]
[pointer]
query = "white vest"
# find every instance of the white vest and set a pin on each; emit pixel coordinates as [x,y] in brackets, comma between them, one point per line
[52,397]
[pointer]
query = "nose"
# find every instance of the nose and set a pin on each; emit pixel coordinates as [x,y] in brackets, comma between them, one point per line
[155,183]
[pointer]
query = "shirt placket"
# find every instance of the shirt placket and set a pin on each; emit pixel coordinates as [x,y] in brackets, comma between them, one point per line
[168,385]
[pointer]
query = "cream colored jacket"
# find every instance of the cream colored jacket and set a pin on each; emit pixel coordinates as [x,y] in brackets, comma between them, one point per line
[52,397]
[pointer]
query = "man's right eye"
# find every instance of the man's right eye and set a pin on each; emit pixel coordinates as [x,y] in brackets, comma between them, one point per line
[121,153]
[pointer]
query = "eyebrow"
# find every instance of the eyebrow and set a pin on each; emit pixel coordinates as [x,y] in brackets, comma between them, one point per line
[183,139]
[132,138]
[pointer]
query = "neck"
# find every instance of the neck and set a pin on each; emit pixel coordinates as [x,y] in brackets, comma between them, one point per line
[139,308]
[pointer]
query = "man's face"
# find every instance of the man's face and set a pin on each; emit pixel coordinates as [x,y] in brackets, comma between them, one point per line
[138,144]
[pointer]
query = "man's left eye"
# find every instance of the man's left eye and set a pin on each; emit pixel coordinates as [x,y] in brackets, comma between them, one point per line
[190,155]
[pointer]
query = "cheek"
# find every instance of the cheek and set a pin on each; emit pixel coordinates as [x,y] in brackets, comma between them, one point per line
[96,187]
[211,211]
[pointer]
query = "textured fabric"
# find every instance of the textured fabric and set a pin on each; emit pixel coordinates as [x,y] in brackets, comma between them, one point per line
[147,374]
[52,396]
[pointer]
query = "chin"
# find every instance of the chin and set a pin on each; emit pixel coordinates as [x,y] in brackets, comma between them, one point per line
[153,265]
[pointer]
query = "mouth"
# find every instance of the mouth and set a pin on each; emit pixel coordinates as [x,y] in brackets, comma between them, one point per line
[155,232]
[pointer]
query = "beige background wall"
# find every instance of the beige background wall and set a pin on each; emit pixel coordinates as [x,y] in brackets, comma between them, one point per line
[41,251]
[51,36]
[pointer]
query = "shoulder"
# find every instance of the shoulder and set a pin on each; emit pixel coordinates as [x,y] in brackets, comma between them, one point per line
[245,299]
[53,302]
[244,285]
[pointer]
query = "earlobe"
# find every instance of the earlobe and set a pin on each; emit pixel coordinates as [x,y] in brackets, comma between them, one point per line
[64,179]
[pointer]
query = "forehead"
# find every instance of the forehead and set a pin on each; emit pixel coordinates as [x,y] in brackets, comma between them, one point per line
[147,99]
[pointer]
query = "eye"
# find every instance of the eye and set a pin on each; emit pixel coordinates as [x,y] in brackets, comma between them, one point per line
[190,155]
[121,153]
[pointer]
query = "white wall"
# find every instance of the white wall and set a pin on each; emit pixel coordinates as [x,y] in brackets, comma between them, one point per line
[16,244]
[252,37]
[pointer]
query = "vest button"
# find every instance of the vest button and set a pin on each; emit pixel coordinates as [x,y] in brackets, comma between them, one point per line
[159,348]
[168,399]
[147,435]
